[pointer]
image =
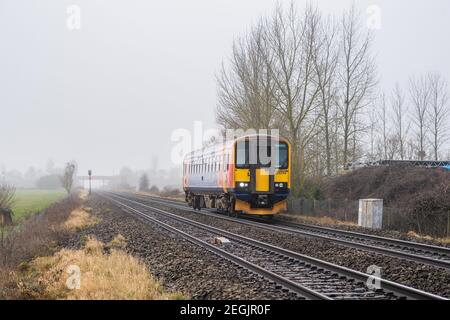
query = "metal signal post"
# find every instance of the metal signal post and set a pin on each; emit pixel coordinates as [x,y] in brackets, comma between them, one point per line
[90,175]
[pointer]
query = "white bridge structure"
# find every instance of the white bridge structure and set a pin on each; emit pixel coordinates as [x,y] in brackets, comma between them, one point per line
[399,163]
[96,181]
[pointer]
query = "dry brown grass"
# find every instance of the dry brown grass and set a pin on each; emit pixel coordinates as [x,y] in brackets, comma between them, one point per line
[83,195]
[116,275]
[418,236]
[119,242]
[444,240]
[80,218]
[429,238]
[320,220]
[178,197]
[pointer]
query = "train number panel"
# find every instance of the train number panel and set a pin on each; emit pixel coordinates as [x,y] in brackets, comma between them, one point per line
[250,175]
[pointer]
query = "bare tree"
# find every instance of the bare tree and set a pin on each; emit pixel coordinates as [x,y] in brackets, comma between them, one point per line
[357,77]
[325,63]
[144,182]
[7,193]
[401,126]
[68,176]
[382,114]
[245,88]
[438,111]
[373,124]
[392,146]
[292,39]
[420,93]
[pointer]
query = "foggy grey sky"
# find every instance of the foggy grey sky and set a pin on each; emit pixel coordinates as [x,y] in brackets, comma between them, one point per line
[111,93]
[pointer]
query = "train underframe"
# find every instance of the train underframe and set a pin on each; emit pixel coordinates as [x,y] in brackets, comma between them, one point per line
[239,203]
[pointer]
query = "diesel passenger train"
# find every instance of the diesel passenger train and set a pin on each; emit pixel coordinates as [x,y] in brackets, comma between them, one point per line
[236,176]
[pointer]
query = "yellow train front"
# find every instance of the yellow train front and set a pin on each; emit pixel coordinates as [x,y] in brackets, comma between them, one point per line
[250,174]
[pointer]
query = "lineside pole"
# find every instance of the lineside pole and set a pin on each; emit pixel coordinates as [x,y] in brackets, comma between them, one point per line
[90,174]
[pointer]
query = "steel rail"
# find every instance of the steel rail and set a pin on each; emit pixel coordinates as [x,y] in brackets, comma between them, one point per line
[331,234]
[269,275]
[387,285]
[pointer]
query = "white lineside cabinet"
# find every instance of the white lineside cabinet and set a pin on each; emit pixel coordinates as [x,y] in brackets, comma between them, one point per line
[370,214]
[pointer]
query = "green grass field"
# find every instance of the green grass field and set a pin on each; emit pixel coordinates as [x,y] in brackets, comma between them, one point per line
[30,201]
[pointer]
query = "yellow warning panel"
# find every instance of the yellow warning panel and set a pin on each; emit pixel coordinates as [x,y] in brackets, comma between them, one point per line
[242,175]
[262,180]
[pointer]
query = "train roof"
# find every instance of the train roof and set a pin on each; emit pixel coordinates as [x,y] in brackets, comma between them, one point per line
[220,146]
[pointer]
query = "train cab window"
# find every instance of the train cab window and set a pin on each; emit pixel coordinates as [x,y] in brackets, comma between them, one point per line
[242,153]
[261,157]
[283,155]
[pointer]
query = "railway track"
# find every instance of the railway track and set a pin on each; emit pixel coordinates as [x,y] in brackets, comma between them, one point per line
[413,251]
[306,276]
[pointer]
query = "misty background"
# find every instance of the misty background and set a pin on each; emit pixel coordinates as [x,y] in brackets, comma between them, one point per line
[110,94]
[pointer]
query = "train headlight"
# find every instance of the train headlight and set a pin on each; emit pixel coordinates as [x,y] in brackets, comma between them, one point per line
[280,185]
[242,184]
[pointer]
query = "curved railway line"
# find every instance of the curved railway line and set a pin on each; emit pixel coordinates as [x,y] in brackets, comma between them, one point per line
[418,252]
[308,277]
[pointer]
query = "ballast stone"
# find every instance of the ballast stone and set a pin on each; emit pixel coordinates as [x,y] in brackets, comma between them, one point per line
[221,241]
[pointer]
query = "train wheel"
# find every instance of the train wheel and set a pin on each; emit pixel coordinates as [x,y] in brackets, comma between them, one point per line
[231,211]
[196,203]
[201,203]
